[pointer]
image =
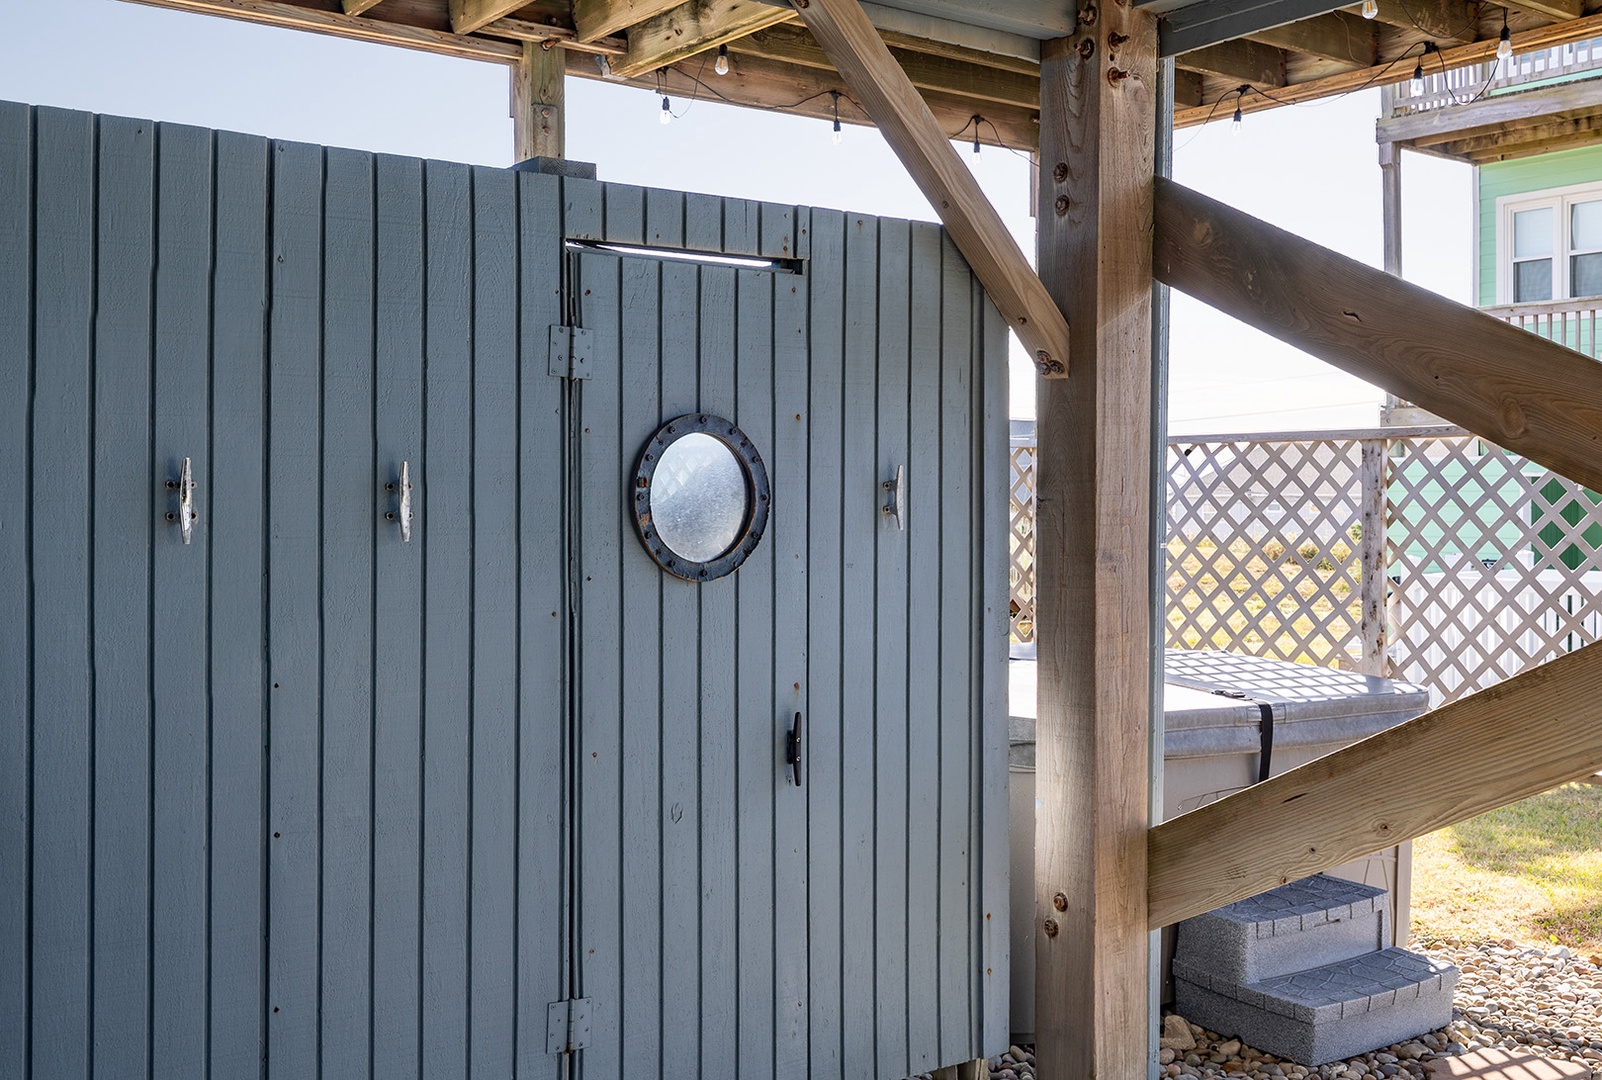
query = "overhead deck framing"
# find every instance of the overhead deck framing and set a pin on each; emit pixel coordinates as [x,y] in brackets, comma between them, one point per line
[1079,85]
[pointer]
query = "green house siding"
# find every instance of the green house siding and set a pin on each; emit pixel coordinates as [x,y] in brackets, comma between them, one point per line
[1520,177]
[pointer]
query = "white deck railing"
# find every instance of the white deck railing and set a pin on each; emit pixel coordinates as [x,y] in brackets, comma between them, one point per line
[1568,322]
[1425,555]
[1458,85]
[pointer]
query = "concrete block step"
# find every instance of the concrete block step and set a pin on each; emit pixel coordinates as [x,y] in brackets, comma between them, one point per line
[1332,1011]
[1308,923]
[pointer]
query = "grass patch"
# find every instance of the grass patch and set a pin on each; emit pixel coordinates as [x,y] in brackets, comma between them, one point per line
[1531,871]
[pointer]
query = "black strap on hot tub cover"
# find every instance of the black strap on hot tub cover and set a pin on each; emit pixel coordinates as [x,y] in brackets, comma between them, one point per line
[1265,731]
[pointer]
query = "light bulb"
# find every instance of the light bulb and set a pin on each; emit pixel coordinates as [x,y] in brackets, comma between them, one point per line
[667,111]
[1504,47]
[1370,8]
[722,65]
[1415,85]
[839,136]
[1234,125]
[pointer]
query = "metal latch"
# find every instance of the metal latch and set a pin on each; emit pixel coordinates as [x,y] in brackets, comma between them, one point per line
[567,1025]
[570,352]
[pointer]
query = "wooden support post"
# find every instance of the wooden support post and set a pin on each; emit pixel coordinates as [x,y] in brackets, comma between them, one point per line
[1372,624]
[539,126]
[1390,163]
[1098,113]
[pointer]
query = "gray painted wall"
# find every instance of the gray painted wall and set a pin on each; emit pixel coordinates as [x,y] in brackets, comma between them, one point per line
[300,799]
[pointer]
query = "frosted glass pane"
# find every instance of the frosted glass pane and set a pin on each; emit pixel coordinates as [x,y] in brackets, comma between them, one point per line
[1585,275]
[699,499]
[1585,227]
[1532,232]
[1532,281]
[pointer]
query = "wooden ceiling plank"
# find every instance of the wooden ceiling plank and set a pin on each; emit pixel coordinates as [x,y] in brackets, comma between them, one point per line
[693,28]
[356,7]
[594,19]
[1516,739]
[1550,9]
[1543,37]
[1348,39]
[1441,20]
[1241,61]
[905,121]
[359,28]
[539,33]
[912,43]
[1520,391]
[1506,146]
[469,15]
[796,45]
[1187,89]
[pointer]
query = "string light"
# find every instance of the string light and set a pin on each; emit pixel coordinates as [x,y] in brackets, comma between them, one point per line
[1370,9]
[976,121]
[1235,124]
[1504,45]
[667,110]
[1415,85]
[839,136]
[722,66]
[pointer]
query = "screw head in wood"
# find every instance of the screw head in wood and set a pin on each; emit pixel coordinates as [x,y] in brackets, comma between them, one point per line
[1062,205]
[1050,926]
[1059,172]
[1060,902]
[1087,49]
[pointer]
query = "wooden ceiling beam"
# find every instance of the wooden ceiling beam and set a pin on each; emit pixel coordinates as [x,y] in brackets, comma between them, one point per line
[1440,20]
[693,28]
[356,27]
[356,7]
[1550,9]
[1520,391]
[1346,39]
[1543,37]
[1240,61]
[1516,739]
[796,45]
[768,84]
[595,19]
[470,15]
[540,33]
[904,119]
[911,43]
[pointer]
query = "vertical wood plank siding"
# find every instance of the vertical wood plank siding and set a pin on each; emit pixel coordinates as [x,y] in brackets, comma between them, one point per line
[300,800]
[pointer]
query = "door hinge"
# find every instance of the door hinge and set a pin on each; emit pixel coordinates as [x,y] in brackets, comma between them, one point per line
[570,352]
[567,1025]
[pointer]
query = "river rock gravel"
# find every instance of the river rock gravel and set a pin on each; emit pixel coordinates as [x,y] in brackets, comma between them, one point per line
[1546,1002]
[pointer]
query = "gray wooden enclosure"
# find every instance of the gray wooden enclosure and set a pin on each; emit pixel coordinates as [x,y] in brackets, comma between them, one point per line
[302,797]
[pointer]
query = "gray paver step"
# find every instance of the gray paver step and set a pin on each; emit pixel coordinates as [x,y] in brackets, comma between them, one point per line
[1308,923]
[1331,1011]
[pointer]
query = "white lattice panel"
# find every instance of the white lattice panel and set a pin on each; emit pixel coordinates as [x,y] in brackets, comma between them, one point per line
[1264,549]
[1493,561]
[1021,513]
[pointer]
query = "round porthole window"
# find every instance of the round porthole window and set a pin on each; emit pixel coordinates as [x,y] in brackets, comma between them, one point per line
[700,497]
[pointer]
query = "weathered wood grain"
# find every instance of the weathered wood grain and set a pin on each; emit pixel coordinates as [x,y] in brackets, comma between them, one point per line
[1520,737]
[1093,595]
[1518,390]
[693,28]
[539,103]
[470,15]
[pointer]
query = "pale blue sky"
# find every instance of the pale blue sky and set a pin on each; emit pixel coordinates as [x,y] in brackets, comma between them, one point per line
[1310,169]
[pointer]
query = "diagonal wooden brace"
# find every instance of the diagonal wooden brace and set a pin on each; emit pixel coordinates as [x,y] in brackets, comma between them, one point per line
[854,47]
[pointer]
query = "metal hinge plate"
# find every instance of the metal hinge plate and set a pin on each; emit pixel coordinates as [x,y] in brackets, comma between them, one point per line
[570,352]
[567,1025]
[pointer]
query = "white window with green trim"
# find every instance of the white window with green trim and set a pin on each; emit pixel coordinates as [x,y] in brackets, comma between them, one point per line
[1549,245]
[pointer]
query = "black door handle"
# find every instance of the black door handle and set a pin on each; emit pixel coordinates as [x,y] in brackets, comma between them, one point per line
[792,750]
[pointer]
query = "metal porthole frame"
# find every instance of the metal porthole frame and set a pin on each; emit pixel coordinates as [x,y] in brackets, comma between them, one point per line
[759,496]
